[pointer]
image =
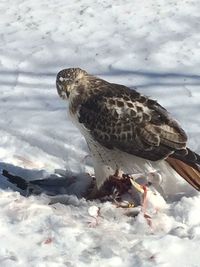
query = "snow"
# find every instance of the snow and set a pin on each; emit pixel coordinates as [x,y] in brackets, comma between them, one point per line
[153,45]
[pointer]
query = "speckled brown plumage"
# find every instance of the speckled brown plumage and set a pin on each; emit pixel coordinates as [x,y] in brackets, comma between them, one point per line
[118,117]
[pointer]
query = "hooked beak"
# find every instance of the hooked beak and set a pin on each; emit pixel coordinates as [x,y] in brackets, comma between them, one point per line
[62,92]
[67,94]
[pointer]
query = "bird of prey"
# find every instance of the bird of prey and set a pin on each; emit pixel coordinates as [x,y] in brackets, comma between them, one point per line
[125,130]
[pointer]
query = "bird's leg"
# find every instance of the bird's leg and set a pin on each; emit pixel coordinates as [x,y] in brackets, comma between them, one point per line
[143,190]
[94,212]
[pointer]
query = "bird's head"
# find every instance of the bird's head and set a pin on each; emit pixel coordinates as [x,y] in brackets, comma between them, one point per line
[68,80]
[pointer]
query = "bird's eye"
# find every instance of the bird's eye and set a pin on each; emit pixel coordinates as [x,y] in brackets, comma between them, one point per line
[76,82]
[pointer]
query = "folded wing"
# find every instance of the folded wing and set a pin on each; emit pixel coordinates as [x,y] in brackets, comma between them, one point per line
[118,117]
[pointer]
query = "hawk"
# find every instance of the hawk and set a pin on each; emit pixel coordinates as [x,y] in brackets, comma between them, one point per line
[125,130]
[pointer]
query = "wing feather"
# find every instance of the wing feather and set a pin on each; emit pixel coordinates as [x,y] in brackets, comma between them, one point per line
[119,117]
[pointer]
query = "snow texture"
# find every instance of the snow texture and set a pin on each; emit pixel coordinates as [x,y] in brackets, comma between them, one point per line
[154,45]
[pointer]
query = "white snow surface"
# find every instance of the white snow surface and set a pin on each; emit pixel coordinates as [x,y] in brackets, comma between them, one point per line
[154,45]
